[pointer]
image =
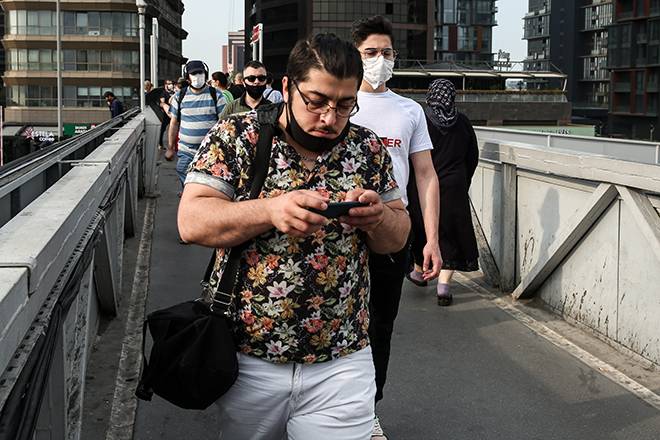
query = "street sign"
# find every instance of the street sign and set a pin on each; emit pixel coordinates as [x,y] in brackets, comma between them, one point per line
[256,33]
[76,129]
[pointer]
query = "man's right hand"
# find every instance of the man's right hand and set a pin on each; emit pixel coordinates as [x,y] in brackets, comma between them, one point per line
[290,213]
[169,154]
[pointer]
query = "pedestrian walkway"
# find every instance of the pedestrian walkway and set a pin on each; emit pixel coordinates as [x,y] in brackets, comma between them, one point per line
[466,372]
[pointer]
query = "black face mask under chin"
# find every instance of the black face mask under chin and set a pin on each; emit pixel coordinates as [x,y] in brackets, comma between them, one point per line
[306,140]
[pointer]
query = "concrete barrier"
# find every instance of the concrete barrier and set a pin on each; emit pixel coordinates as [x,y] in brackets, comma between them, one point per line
[93,207]
[578,230]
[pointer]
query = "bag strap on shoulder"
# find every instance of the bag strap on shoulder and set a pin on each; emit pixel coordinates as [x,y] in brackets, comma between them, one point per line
[223,295]
[182,94]
[214,97]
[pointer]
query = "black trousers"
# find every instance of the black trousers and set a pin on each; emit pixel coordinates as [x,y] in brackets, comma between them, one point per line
[387,273]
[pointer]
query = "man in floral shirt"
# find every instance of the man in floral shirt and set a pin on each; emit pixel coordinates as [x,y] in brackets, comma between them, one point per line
[302,317]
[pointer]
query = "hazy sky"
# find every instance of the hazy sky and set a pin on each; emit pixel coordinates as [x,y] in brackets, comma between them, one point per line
[208,26]
[208,23]
[508,33]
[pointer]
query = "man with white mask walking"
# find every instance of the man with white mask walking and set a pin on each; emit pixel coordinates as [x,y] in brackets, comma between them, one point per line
[401,125]
[193,112]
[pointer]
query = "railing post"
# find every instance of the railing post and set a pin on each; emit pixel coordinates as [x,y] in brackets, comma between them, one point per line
[509,226]
[151,141]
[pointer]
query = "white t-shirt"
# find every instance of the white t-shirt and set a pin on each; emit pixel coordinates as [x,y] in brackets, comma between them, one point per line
[401,125]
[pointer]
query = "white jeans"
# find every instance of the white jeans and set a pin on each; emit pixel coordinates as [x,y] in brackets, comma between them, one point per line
[326,401]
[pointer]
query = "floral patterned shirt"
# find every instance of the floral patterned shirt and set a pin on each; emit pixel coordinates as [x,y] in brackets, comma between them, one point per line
[302,300]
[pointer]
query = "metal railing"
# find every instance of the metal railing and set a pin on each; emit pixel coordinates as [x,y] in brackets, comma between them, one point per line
[23,180]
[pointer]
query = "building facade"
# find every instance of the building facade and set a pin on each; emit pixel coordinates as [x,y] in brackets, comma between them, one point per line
[233,53]
[100,52]
[286,22]
[592,94]
[464,30]
[571,36]
[634,60]
[537,34]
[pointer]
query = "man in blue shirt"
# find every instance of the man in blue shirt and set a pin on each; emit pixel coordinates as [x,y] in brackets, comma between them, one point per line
[193,112]
[116,107]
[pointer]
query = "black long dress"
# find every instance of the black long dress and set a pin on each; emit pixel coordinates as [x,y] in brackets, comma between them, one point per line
[455,158]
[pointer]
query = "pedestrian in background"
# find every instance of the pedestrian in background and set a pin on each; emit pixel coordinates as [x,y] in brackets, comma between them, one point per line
[193,112]
[237,88]
[220,81]
[180,84]
[116,107]
[254,82]
[270,93]
[455,157]
[401,125]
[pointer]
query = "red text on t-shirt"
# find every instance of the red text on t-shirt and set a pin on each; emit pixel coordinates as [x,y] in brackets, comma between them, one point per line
[389,142]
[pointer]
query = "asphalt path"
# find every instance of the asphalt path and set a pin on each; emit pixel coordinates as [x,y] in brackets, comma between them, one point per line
[466,372]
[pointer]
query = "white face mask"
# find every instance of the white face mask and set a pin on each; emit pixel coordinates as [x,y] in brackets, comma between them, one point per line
[198,80]
[377,70]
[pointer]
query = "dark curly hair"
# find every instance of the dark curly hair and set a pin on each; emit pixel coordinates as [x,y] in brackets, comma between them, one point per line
[324,52]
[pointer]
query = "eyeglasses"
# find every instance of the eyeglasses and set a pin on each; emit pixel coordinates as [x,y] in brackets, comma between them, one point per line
[321,107]
[253,78]
[371,52]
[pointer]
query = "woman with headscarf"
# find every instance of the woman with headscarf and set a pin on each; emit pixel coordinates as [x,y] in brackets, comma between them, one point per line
[455,158]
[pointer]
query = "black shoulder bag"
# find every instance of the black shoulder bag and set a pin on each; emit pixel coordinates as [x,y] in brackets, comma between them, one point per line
[193,358]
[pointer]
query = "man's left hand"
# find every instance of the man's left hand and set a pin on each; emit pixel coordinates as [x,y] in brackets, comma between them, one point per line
[366,218]
[432,261]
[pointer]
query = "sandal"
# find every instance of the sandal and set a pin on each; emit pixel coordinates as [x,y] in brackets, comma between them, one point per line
[415,281]
[444,297]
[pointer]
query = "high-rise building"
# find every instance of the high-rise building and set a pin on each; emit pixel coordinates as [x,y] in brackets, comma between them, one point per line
[592,93]
[634,60]
[537,34]
[285,22]
[571,36]
[100,52]
[464,30]
[2,58]
[233,53]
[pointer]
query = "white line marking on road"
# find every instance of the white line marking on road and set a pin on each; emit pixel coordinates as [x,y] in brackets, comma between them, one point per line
[582,355]
[124,402]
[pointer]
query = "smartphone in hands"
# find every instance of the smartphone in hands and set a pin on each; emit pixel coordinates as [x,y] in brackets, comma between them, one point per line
[338,209]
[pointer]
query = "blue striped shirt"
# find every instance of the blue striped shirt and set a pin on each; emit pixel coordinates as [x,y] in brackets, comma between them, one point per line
[198,116]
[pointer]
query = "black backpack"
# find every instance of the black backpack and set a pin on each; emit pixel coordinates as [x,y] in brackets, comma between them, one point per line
[182,94]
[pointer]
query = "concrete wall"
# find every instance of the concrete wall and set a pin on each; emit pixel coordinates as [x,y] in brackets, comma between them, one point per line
[608,279]
[36,249]
[498,113]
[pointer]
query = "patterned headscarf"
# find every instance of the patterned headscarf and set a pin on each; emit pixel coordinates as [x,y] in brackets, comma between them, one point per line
[441,109]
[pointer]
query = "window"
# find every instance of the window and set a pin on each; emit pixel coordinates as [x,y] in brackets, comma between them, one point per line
[73,60]
[73,23]
[69,23]
[81,23]
[31,22]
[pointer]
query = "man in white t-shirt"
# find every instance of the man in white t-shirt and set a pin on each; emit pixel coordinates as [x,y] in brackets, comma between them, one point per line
[401,124]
